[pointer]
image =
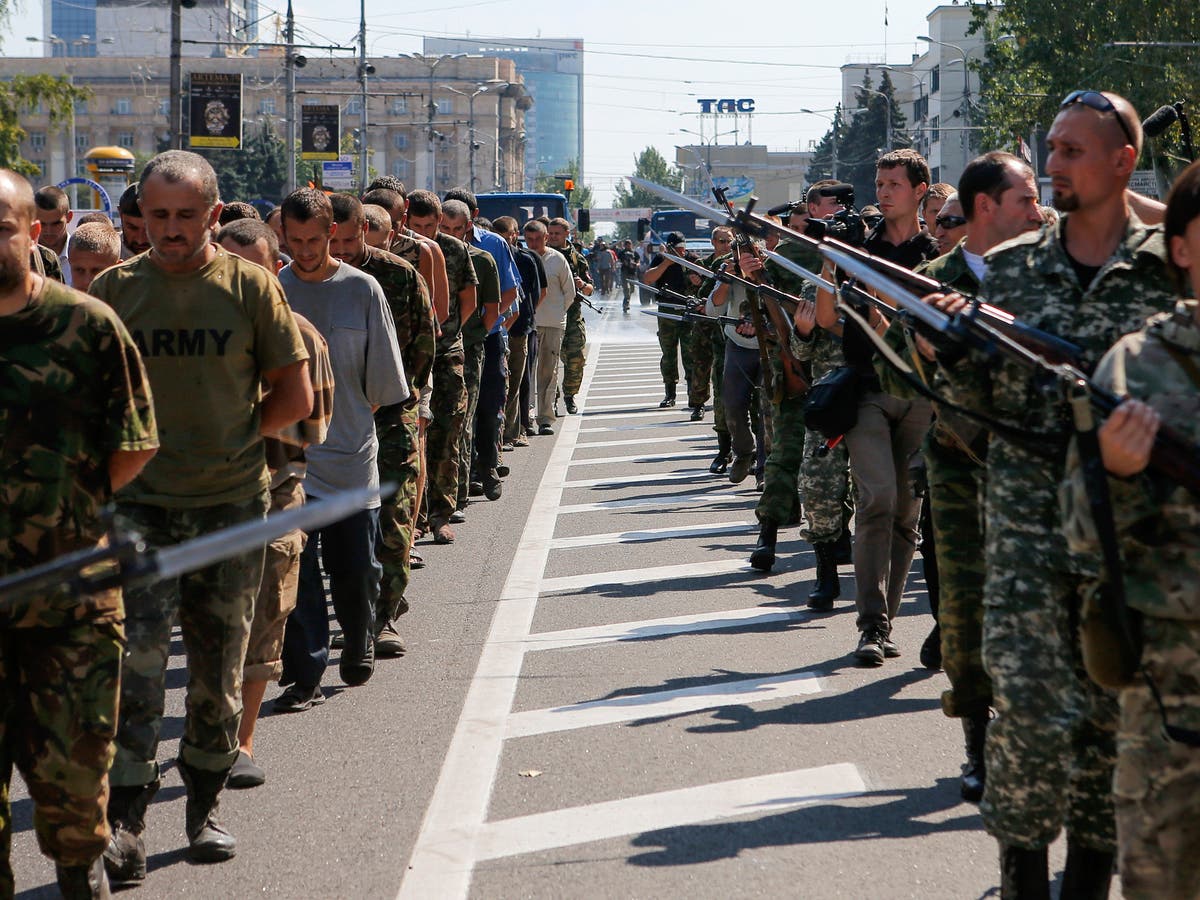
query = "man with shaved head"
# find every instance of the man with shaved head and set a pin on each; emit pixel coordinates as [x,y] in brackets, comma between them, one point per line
[1093,277]
[76,423]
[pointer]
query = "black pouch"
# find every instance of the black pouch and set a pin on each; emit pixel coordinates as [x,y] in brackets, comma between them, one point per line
[832,403]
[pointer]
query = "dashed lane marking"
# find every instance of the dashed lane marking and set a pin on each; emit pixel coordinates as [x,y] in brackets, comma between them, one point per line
[678,572]
[648,534]
[662,501]
[640,458]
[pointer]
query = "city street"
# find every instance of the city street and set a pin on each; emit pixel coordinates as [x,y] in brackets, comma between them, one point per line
[600,699]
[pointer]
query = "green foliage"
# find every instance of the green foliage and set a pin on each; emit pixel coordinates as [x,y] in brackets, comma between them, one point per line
[258,170]
[652,166]
[1060,48]
[22,94]
[862,139]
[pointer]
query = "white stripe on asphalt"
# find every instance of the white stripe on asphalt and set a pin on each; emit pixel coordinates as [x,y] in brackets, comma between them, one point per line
[678,572]
[693,475]
[657,457]
[764,794]
[593,417]
[642,427]
[648,534]
[662,501]
[665,627]
[617,395]
[633,707]
[629,442]
[632,406]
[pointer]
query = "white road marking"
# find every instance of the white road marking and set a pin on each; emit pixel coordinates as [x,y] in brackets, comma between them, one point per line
[658,457]
[628,442]
[662,501]
[677,572]
[617,395]
[669,809]
[671,411]
[665,627]
[634,406]
[693,475]
[679,423]
[648,534]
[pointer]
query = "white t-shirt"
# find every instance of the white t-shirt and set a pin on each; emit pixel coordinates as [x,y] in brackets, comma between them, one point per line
[560,290]
[976,263]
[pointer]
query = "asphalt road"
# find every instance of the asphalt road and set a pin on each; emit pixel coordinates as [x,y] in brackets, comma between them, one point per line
[600,699]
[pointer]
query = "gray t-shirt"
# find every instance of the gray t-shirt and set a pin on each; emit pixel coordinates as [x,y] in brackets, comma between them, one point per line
[350,311]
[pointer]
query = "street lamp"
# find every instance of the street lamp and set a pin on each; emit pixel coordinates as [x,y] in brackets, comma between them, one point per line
[918,81]
[707,145]
[887,109]
[833,129]
[494,85]
[432,62]
[72,152]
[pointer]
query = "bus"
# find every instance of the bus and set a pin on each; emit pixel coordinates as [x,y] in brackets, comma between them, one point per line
[522,206]
[696,230]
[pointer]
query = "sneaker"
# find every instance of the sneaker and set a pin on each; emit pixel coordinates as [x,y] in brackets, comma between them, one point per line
[298,698]
[570,404]
[443,534]
[530,431]
[667,403]
[697,413]
[246,773]
[545,429]
[388,644]
[458,517]
[740,469]
[870,650]
[502,470]
[520,442]
[507,447]
[475,488]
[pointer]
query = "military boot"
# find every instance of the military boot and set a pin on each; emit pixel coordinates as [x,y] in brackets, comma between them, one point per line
[724,450]
[669,399]
[83,882]
[974,773]
[1087,874]
[763,557]
[125,855]
[1024,874]
[208,841]
[828,587]
[843,549]
[569,400]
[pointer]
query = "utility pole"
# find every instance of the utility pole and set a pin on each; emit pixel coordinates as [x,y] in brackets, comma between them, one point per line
[290,101]
[364,69]
[176,84]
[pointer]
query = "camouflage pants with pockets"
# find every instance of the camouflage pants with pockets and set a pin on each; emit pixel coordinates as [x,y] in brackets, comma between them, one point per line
[400,461]
[574,350]
[444,436]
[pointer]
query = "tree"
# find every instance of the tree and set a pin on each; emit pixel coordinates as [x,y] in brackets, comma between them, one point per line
[1061,47]
[23,94]
[822,161]
[257,171]
[652,166]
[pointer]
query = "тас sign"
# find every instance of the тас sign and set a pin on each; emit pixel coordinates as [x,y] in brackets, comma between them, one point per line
[728,105]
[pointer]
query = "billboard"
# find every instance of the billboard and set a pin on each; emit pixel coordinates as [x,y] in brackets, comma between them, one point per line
[320,132]
[216,110]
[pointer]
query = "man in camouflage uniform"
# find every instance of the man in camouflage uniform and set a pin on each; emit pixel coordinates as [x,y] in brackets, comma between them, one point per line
[76,422]
[210,473]
[449,399]
[1095,276]
[574,345]
[1157,783]
[722,239]
[399,458]
[664,273]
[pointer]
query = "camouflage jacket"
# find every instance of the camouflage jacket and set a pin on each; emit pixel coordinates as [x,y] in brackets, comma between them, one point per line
[1032,277]
[412,310]
[802,255]
[822,351]
[1157,520]
[487,293]
[73,391]
[460,274]
[45,262]
[579,267]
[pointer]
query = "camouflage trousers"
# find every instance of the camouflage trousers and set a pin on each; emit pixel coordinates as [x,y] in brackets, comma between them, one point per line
[780,499]
[716,340]
[400,461]
[472,373]
[444,436]
[825,488]
[214,607]
[1157,782]
[58,718]
[955,482]
[574,350]
[699,347]
[1051,748]
[669,337]
[277,594]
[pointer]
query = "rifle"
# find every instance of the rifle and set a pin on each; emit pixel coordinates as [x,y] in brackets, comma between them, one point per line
[724,275]
[745,221]
[124,560]
[689,316]
[675,296]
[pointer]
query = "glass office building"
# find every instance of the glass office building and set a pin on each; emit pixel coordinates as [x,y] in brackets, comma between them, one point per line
[553,73]
[70,27]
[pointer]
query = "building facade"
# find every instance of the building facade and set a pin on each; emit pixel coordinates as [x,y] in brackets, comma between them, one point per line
[744,170]
[125,28]
[552,71]
[130,108]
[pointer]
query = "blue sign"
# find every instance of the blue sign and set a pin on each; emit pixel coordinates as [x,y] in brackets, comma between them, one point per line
[727,105]
[95,186]
[337,174]
[736,188]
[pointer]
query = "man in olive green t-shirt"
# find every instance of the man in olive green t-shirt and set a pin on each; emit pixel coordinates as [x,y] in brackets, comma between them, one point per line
[211,328]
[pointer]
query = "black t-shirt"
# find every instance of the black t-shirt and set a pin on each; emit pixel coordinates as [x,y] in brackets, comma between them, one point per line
[629,262]
[674,278]
[858,348]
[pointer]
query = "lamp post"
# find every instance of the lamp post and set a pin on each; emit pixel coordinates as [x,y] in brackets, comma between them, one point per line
[432,62]
[494,85]
[833,130]
[72,151]
[918,82]
[888,110]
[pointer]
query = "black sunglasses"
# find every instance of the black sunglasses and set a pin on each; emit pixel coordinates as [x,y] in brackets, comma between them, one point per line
[950,222]
[1097,101]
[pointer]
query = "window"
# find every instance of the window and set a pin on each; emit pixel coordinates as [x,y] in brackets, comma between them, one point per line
[354,106]
[445,106]
[935,79]
[41,164]
[400,168]
[400,140]
[312,101]
[123,107]
[443,172]
[125,139]
[399,106]
[81,108]
[934,125]
[266,106]
[936,174]
[164,106]
[83,141]
[37,140]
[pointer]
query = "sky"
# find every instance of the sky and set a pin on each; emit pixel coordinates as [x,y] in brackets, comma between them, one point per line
[645,64]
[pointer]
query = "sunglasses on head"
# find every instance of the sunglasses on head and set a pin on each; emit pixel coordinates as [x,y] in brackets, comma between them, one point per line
[950,222]
[1097,101]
